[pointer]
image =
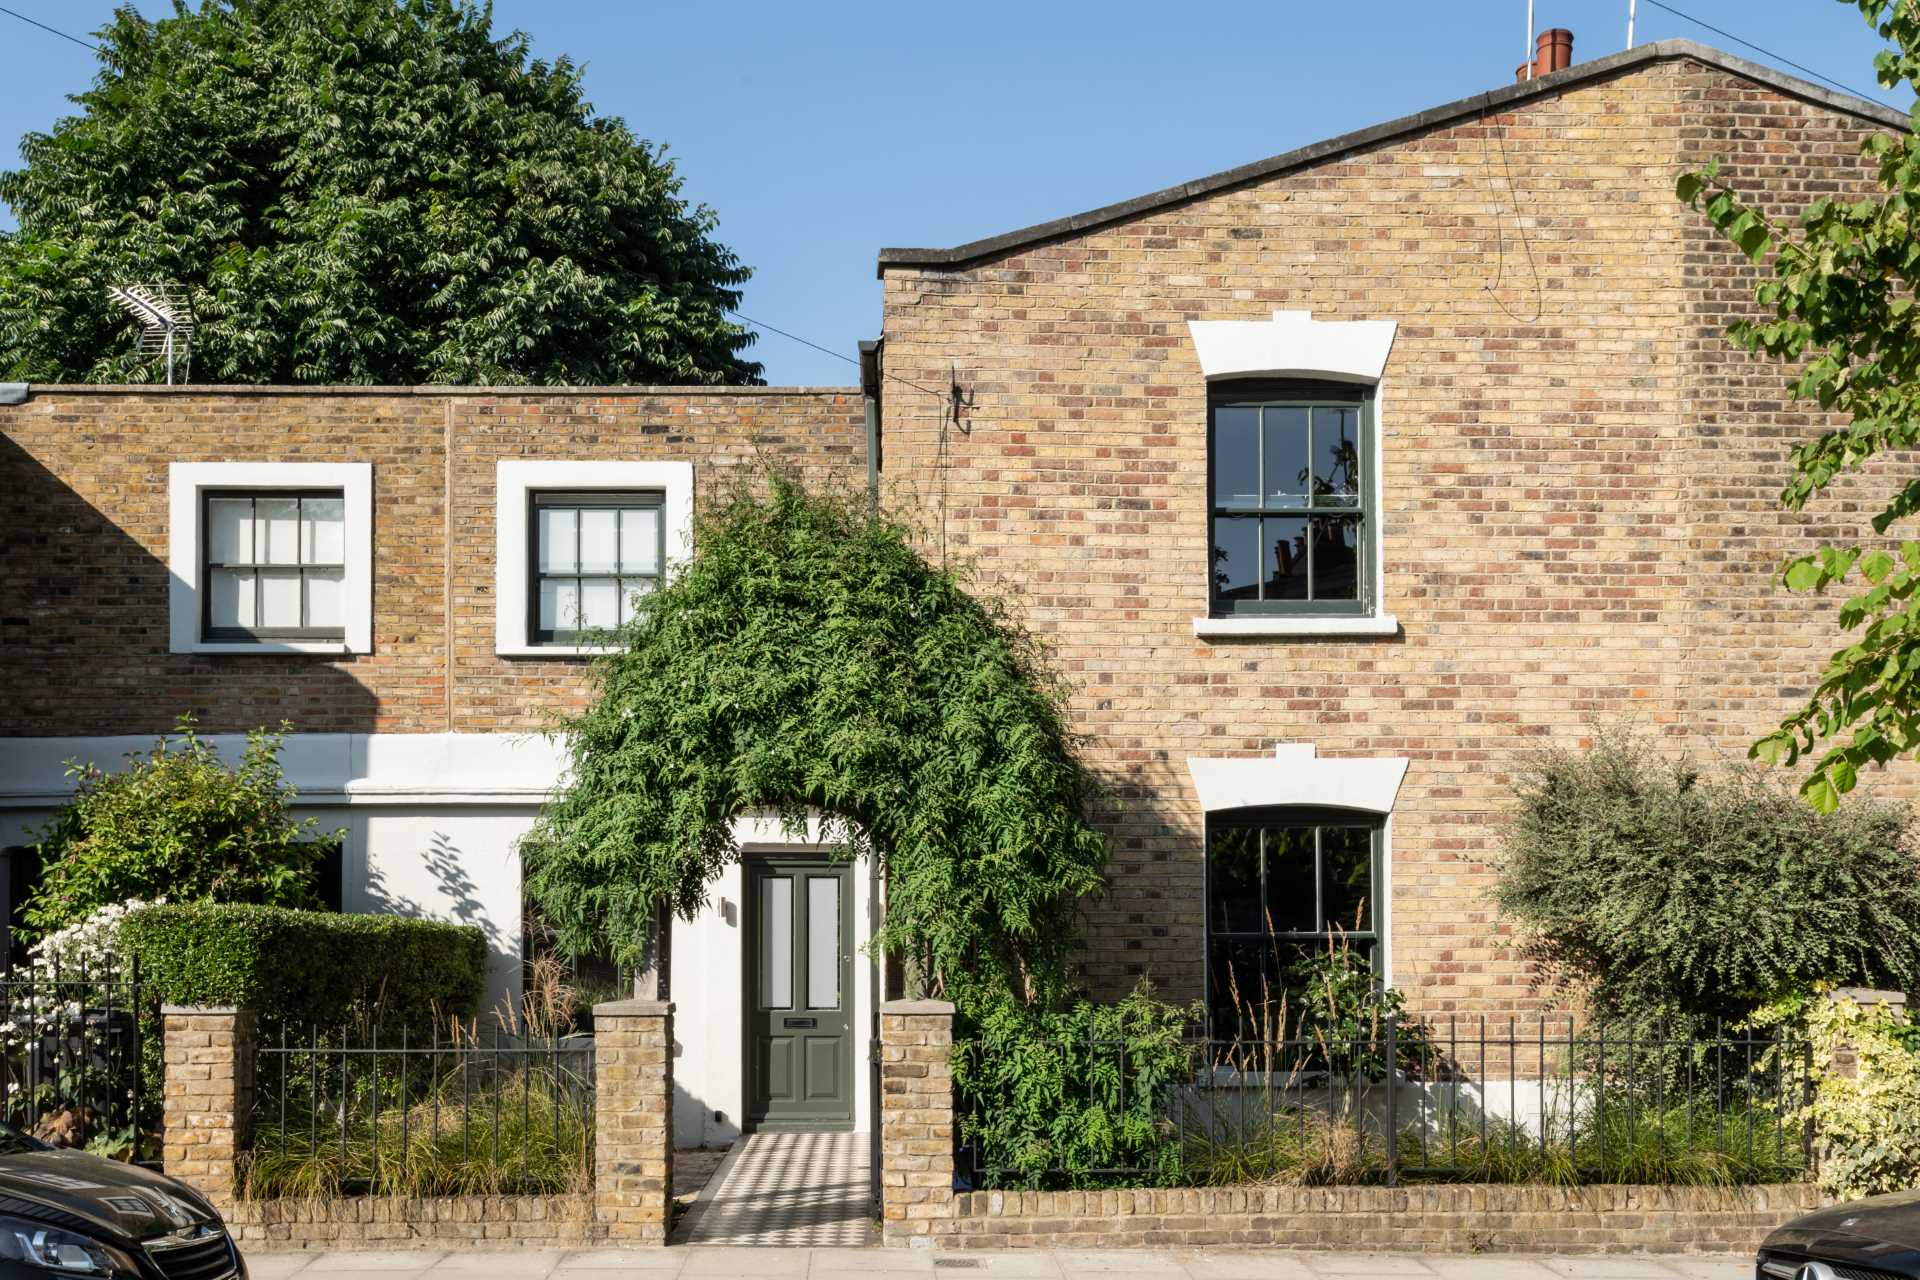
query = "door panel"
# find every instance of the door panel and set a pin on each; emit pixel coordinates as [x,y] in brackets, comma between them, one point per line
[799,1015]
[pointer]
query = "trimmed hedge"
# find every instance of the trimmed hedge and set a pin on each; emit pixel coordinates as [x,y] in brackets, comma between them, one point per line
[308,967]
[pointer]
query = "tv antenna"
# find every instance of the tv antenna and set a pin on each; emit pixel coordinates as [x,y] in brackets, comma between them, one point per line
[165,314]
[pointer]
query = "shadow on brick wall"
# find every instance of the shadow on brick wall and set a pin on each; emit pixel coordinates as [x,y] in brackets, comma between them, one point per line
[83,622]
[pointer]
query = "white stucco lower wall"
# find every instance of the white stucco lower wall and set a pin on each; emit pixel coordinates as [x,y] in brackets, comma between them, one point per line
[431,821]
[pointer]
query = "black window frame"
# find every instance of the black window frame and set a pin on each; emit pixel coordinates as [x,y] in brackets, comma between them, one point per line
[1363,511]
[1372,939]
[212,634]
[564,638]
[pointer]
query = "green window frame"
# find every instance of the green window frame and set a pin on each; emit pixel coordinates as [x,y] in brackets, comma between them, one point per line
[1291,499]
[557,575]
[1277,881]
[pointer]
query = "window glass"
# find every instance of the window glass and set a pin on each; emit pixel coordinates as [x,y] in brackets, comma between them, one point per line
[1236,558]
[823,942]
[1276,886]
[1284,442]
[776,943]
[1278,460]
[1290,880]
[1236,458]
[1336,456]
[640,539]
[596,553]
[1286,561]
[277,530]
[558,546]
[323,531]
[230,530]
[1233,880]
[274,565]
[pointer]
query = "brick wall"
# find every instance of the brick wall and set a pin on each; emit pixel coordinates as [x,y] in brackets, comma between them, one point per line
[207,1097]
[1463,1219]
[83,541]
[916,1119]
[372,1222]
[1578,497]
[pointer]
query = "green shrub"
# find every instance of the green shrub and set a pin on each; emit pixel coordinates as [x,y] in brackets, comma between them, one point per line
[1660,894]
[177,823]
[1680,1144]
[1052,1098]
[308,967]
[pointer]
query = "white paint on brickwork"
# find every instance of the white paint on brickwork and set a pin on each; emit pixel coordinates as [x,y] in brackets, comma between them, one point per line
[1293,345]
[186,481]
[514,480]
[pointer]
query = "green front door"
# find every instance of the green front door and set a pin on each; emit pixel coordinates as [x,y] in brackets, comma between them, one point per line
[800,981]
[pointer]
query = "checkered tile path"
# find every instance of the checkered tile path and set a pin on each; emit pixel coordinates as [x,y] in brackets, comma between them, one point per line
[791,1189]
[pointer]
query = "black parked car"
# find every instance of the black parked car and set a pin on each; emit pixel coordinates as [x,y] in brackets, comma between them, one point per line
[68,1213]
[1873,1239]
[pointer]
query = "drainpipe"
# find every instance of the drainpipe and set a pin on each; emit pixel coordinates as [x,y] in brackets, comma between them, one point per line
[870,405]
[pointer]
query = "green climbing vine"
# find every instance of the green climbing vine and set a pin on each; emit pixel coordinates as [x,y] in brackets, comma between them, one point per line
[809,660]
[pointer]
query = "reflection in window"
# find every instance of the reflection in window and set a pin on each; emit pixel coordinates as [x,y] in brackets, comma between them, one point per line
[1289,519]
[1277,883]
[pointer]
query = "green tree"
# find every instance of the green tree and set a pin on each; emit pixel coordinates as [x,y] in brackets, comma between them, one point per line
[358,191]
[1838,306]
[178,823]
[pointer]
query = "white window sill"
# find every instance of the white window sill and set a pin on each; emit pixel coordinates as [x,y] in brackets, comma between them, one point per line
[554,650]
[335,647]
[1295,628]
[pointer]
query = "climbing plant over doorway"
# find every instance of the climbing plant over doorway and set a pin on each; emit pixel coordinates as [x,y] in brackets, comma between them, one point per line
[809,659]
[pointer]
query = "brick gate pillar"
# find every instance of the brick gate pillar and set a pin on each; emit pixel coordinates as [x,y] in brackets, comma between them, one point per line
[916,1119]
[633,1120]
[207,1097]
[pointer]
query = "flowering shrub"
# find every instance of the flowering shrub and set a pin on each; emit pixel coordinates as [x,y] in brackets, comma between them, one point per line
[88,946]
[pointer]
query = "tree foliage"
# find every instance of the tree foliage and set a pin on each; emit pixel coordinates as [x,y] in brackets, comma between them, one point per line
[178,823]
[358,191]
[808,659]
[1659,893]
[1839,308]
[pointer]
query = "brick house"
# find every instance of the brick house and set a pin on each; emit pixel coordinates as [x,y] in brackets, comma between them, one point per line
[1337,483]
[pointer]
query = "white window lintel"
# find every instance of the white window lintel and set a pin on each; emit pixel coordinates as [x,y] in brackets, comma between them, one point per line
[1295,776]
[1293,345]
[514,480]
[187,481]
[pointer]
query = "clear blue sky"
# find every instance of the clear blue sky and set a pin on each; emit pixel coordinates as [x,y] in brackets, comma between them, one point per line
[820,132]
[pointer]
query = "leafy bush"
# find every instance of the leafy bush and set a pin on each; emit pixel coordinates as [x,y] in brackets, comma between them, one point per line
[1052,1098]
[1335,1009]
[1865,1101]
[1658,893]
[308,967]
[177,823]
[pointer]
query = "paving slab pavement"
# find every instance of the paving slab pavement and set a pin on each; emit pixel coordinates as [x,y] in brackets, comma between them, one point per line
[1040,1264]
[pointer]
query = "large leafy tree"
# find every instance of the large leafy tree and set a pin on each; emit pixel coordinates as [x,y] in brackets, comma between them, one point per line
[360,191]
[1838,306]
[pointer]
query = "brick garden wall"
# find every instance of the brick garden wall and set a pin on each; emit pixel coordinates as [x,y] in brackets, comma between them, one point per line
[1579,503]
[83,541]
[370,1222]
[1490,1219]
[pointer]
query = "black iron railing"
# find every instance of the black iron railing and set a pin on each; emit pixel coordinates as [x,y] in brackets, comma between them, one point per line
[444,1112]
[79,1057]
[1453,1100]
